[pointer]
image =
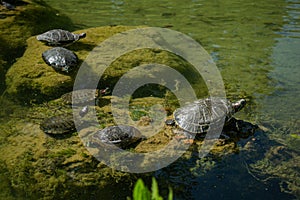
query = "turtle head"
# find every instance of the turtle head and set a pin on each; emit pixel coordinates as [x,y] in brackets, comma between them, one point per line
[82,35]
[237,106]
[65,69]
[170,122]
[104,91]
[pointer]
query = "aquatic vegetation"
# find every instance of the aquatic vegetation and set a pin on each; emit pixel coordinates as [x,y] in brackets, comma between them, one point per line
[279,163]
[141,192]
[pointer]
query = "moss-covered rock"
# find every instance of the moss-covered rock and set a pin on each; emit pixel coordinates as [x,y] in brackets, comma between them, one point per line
[30,79]
[29,18]
[43,167]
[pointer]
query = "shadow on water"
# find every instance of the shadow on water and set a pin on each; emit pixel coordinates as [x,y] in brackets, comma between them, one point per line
[234,175]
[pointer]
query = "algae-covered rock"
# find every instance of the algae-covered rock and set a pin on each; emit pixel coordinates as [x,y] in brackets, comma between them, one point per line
[31,76]
[30,79]
[29,18]
[44,167]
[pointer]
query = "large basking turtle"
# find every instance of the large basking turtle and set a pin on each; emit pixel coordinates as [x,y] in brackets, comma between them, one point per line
[60,59]
[197,117]
[59,37]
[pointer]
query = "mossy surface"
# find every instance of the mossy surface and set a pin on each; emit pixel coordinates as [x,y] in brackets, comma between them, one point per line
[40,166]
[30,79]
[29,18]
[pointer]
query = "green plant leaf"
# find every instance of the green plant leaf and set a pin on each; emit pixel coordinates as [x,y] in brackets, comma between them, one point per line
[155,191]
[140,192]
[154,188]
[170,196]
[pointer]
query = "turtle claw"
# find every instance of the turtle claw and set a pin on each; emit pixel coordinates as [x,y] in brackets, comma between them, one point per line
[188,141]
[185,138]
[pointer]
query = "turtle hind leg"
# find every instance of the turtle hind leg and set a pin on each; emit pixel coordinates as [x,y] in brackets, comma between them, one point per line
[184,136]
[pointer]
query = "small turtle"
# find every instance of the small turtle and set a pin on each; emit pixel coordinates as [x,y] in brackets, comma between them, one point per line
[59,37]
[122,136]
[83,96]
[58,125]
[60,59]
[199,115]
[8,6]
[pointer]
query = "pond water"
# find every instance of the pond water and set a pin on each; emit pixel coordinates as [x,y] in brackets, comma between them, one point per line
[256,46]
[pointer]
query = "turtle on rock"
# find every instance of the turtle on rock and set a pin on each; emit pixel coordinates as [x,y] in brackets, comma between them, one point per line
[8,5]
[84,96]
[60,59]
[199,116]
[59,37]
[58,124]
[122,136]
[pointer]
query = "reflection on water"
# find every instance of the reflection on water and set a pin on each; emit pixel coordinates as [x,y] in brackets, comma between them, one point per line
[256,46]
[286,59]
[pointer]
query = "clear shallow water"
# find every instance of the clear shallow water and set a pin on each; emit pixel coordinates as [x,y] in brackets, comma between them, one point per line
[256,46]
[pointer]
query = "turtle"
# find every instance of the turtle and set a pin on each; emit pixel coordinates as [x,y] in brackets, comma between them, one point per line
[83,96]
[59,37]
[58,124]
[122,136]
[8,5]
[196,117]
[60,59]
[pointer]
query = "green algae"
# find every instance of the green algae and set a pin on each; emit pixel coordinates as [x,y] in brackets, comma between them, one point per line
[45,167]
[64,152]
[40,166]
[28,19]
[279,163]
[31,80]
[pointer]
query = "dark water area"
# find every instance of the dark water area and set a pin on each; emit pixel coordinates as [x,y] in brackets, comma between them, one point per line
[256,47]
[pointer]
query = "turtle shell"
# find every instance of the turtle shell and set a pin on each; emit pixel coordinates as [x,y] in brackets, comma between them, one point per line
[58,125]
[8,5]
[197,116]
[59,37]
[122,136]
[60,59]
[82,96]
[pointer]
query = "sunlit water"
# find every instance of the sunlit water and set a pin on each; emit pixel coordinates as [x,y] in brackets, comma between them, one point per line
[256,45]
